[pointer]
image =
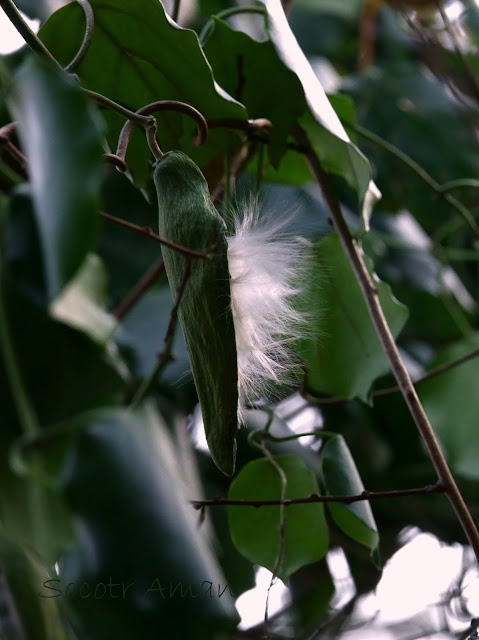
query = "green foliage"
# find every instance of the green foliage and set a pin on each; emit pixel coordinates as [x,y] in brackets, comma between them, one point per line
[97,467]
[258,534]
[54,118]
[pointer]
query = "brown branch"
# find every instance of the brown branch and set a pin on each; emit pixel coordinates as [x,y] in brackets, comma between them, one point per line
[370,294]
[315,498]
[140,288]
[377,393]
[149,233]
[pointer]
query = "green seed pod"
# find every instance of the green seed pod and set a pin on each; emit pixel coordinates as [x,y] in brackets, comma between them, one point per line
[188,218]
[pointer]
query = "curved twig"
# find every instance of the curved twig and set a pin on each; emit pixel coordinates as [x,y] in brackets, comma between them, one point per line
[115,160]
[223,15]
[90,21]
[161,105]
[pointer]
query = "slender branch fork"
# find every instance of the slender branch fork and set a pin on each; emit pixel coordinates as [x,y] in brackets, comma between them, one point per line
[404,382]
[315,498]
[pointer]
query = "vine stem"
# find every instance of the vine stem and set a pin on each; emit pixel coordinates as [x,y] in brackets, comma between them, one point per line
[398,369]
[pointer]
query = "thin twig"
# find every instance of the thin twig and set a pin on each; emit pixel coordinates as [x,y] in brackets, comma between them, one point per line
[418,170]
[144,121]
[250,127]
[149,233]
[315,498]
[458,49]
[115,160]
[176,10]
[161,105]
[140,288]
[165,356]
[370,294]
[33,41]
[82,51]
[437,371]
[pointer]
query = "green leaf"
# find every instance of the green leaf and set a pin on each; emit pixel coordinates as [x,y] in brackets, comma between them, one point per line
[323,127]
[451,402]
[344,357]
[69,373]
[24,614]
[81,304]
[341,478]
[252,72]
[137,531]
[61,138]
[255,531]
[144,57]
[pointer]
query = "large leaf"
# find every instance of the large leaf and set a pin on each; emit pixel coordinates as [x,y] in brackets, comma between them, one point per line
[139,545]
[343,356]
[451,402]
[255,531]
[144,57]
[323,127]
[252,72]
[61,138]
[341,477]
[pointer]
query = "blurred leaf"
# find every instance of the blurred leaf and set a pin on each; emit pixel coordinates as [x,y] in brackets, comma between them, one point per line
[252,72]
[144,57]
[61,138]
[255,530]
[344,357]
[451,402]
[418,115]
[341,478]
[80,304]
[25,616]
[144,553]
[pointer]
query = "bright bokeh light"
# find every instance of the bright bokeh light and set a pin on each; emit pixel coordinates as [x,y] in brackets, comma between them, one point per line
[10,39]
[251,604]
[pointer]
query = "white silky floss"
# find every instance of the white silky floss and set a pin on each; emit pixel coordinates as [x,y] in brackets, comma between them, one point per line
[265,265]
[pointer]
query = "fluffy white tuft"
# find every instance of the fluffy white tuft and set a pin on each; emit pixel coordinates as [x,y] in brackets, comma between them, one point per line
[264,263]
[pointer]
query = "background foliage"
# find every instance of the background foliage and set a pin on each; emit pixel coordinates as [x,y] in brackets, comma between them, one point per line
[94,493]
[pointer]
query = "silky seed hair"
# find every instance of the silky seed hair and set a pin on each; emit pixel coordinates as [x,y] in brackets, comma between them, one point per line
[265,264]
